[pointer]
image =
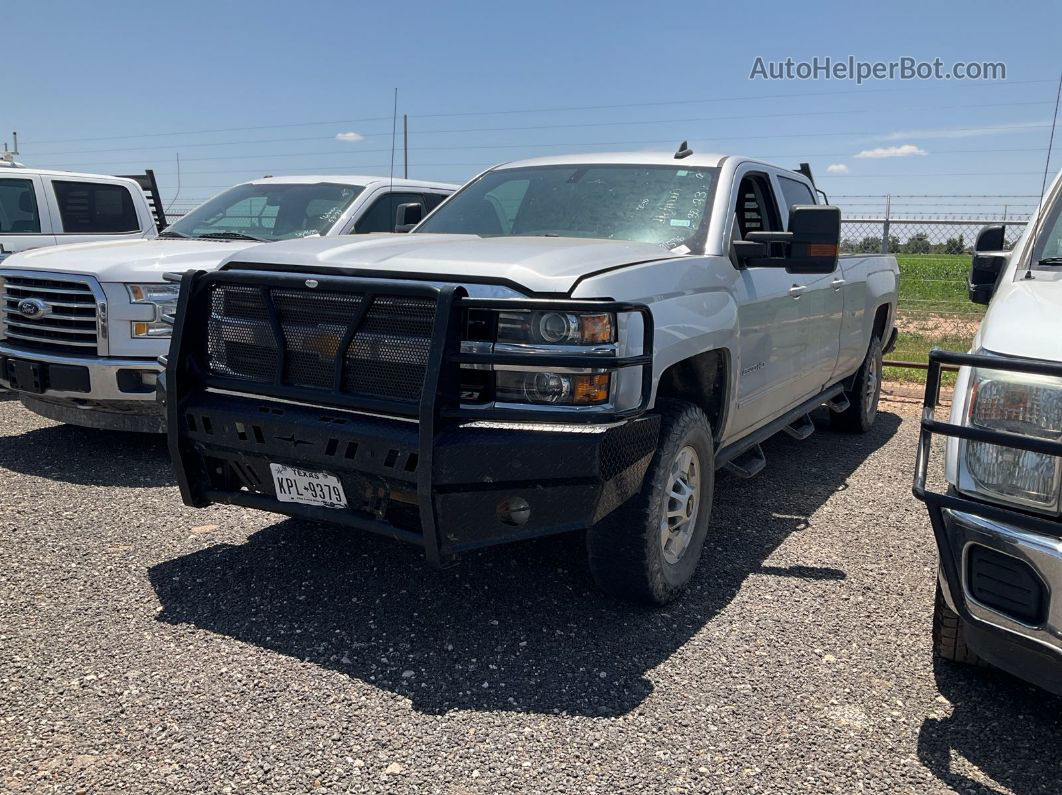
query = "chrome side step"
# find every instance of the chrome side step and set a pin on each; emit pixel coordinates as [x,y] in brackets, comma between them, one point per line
[748,464]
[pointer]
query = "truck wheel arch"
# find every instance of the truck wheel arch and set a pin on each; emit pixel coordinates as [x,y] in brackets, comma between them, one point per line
[703,380]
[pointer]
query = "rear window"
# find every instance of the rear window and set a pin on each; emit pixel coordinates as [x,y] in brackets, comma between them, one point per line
[93,208]
[18,208]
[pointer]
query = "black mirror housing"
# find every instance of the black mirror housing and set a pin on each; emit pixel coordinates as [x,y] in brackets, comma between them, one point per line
[984,275]
[408,215]
[991,238]
[816,238]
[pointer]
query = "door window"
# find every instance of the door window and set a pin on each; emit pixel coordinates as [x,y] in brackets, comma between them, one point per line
[18,208]
[381,216]
[794,192]
[757,210]
[89,208]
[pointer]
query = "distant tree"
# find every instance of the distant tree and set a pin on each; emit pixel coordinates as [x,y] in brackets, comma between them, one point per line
[955,245]
[868,245]
[917,244]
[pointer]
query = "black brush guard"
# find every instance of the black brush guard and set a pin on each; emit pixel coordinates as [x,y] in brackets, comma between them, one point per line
[936,503]
[414,458]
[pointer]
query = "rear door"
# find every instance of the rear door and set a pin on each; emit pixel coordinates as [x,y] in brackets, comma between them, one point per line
[772,339]
[89,210]
[821,306]
[24,219]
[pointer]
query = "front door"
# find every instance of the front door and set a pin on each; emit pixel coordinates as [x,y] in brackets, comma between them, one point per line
[24,219]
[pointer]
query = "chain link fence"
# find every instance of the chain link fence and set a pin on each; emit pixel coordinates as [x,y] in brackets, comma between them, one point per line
[934,258]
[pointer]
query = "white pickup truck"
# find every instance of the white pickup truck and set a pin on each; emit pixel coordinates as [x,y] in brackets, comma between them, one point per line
[82,326]
[567,343]
[41,208]
[998,527]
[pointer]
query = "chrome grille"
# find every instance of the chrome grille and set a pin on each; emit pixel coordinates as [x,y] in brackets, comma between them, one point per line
[67,324]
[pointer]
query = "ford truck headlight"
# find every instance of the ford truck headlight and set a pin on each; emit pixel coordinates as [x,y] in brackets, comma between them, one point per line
[163,297]
[1029,405]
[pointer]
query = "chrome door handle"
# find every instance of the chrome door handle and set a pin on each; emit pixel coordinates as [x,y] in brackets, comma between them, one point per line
[837,284]
[797,290]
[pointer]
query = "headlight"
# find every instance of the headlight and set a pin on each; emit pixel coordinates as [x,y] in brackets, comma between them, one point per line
[556,328]
[1024,404]
[558,389]
[164,298]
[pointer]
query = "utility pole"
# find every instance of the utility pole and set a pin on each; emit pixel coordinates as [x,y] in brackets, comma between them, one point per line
[405,145]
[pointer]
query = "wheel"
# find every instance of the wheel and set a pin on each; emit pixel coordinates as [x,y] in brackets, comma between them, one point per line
[863,397]
[949,642]
[647,550]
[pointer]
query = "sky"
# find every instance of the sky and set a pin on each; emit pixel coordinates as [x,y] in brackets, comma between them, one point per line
[237,90]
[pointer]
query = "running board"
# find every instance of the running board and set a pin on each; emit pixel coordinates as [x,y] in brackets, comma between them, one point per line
[839,404]
[801,428]
[749,464]
[834,396]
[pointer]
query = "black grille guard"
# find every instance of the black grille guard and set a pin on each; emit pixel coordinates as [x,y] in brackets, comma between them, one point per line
[937,503]
[188,376]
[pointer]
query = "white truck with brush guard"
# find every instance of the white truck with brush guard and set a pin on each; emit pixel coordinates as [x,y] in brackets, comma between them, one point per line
[82,326]
[567,343]
[998,524]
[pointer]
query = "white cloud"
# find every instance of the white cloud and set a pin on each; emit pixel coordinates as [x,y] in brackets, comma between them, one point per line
[967,132]
[907,150]
[349,136]
[837,168]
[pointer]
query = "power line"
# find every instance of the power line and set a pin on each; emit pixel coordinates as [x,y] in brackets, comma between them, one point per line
[560,109]
[800,114]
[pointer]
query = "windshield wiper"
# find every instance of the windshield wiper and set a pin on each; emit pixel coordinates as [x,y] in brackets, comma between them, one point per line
[173,234]
[230,236]
[1050,261]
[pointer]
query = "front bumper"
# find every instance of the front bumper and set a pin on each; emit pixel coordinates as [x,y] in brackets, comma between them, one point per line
[91,378]
[418,466]
[97,392]
[1000,569]
[456,494]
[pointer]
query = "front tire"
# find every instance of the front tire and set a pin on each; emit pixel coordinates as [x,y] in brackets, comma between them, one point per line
[949,639]
[648,549]
[863,397]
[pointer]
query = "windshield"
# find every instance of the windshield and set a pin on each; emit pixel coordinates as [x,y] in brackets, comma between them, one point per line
[268,212]
[1048,247]
[664,205]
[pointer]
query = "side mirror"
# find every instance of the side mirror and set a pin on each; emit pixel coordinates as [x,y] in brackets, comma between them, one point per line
[991,238]
[816,233]
[989,259]
[408,215]
[984,274]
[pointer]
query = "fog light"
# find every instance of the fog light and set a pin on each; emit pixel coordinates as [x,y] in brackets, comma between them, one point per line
[514,511]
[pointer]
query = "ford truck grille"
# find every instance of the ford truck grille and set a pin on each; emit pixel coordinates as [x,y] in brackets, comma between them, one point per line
[374,346]
[50,314]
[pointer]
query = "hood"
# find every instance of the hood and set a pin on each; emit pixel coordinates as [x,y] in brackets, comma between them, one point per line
[536,264]
[127,260]
[1025,318]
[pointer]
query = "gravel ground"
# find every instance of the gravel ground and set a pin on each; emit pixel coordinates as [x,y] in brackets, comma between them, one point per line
[149,647]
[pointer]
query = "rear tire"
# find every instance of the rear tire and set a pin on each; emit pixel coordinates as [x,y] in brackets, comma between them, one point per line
[648,549]
[949,640]
[863,397]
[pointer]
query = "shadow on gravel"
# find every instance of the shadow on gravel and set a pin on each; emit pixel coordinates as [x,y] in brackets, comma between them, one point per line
[518,627]
[89,457]
[1008,729]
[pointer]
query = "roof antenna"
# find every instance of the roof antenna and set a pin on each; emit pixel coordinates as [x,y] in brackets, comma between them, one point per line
[1043,186]
[683,151]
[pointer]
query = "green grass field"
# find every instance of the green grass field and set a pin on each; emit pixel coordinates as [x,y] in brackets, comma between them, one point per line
[934,310]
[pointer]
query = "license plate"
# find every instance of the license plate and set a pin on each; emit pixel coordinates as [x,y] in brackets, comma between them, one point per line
[308,488]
